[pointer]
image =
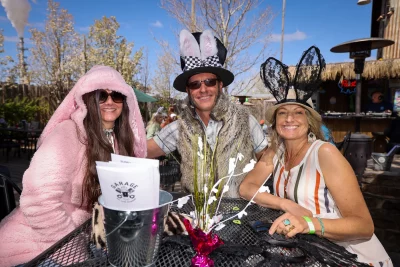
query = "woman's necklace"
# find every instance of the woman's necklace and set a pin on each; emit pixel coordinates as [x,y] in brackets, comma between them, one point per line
[290,163]
[110,137]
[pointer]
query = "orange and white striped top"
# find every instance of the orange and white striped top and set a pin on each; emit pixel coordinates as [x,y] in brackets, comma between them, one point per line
[306,186]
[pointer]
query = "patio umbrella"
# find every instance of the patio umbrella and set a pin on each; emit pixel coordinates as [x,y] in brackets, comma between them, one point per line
[142,97]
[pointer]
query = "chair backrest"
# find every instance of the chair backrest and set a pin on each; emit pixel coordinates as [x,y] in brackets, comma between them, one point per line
[170,173]
[345,143]
[7,199]
[34,125]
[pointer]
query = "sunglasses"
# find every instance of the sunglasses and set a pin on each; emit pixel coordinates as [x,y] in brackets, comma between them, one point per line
[208,82]
[115,96]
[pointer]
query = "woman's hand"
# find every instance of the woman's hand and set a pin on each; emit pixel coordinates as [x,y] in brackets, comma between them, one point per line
[292,207]
[289,225]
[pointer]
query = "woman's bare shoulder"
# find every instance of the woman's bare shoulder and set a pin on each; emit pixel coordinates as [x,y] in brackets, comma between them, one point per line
[268,156]
[328,149]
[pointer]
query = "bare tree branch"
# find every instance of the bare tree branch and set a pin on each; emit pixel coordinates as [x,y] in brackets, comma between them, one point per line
[106,47]
[243,26]
[164,76]
[55,53]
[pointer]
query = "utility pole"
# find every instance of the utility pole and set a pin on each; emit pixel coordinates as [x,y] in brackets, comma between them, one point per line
[85,56]
[193,16]
[23,79]
[283,28]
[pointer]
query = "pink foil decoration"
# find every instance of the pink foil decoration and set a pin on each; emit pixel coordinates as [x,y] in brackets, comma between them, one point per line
[203,244]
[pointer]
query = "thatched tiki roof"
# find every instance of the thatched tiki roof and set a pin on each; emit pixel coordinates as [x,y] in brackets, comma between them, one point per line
[374,69]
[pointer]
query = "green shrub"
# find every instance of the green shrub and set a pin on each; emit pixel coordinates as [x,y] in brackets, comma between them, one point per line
[13,111]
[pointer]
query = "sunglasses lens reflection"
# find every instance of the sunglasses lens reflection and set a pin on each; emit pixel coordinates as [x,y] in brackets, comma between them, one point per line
[115,96]
[103,96]
[197,84]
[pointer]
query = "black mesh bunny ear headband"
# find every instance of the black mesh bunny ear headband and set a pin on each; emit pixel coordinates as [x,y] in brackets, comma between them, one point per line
[277,79]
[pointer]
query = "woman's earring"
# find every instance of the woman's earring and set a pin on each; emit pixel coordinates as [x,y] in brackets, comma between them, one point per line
[311,137]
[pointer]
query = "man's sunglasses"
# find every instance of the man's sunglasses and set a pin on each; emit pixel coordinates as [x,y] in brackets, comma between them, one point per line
[196,84]
[115,96]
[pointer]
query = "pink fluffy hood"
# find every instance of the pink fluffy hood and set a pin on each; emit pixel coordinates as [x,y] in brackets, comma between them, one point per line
[73,107]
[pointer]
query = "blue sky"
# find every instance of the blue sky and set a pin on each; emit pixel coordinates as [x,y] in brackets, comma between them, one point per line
[307,22]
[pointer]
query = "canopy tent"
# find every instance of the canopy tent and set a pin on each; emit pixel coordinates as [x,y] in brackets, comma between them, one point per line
[142,97]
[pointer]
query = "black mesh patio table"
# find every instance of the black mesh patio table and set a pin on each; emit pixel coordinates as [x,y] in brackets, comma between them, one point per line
[242,246]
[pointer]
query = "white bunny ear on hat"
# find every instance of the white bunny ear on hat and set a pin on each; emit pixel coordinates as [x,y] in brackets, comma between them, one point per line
[205,56]
[208,45]
[188,45]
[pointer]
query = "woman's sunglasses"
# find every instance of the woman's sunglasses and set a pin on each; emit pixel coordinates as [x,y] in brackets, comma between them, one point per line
[115,96]
[196,84]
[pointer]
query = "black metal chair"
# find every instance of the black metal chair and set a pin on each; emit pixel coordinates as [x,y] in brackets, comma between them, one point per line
[7,143]
[170,173]
[344,144]
[7,199]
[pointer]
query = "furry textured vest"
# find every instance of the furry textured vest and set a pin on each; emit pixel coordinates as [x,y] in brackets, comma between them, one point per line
[234,137]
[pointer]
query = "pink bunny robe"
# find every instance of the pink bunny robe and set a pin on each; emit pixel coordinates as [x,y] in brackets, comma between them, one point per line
[50,204]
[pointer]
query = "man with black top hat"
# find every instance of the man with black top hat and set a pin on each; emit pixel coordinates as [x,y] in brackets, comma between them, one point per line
[228,128]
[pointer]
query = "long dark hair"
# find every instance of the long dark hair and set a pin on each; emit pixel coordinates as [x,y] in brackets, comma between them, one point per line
[98,147]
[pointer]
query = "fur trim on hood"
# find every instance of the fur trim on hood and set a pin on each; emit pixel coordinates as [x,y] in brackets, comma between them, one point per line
[73,107]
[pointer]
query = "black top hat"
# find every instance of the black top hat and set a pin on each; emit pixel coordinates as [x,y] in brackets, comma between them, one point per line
[201,52]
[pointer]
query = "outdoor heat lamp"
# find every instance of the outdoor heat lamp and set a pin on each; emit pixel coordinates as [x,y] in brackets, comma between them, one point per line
[359,50]
[363,2]
[360,143]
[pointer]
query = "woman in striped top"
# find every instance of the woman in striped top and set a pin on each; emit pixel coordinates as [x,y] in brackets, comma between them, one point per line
[313,184]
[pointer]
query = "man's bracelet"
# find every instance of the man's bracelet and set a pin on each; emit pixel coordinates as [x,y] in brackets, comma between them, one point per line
[310,225]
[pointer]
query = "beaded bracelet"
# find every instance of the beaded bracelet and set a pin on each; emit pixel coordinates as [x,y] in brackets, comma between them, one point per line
[322,226]
[310,225]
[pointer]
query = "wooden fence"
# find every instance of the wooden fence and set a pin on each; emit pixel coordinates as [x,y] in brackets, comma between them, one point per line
[49,94]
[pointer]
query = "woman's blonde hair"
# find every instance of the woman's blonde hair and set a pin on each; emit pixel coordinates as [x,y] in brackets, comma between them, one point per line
[314,126]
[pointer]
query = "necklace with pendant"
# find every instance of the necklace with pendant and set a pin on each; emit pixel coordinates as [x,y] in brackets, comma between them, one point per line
[290,163]
[110,136]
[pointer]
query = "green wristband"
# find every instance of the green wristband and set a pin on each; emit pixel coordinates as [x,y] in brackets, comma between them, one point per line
[322,226]
[310,225]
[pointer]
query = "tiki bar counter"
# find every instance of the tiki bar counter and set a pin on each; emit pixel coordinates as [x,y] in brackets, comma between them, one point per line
[341,123]
[336,98]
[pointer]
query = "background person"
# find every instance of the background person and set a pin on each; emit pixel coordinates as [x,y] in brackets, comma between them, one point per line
[170,118]
[378,104]
[313,183]
[99,116]
[208,112]
[154,125]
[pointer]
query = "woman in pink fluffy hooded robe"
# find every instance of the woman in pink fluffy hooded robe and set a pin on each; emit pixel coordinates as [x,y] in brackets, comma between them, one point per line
[51,204]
